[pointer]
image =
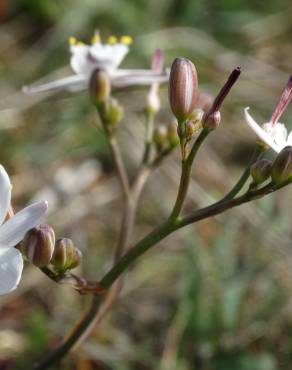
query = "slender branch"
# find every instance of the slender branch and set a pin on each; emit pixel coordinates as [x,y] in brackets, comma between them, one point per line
[244,177]
[170,226]
[140,248]
[149,136]
[186,174]
[119,165]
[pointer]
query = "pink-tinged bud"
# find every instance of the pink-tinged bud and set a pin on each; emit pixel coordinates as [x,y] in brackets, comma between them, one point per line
[261,170]
[38,245]
[212,121]
[183,88]
[66,256]
[153,100]
[99,86]
[282,166]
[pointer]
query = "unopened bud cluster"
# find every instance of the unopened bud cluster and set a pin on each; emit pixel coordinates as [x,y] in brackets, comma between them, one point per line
[165,137]
[279,171]
[41,250]
[110,110]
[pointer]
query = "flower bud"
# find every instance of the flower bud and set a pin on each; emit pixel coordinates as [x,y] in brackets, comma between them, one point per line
[211,121]
[282,166]
[172,136]
[111,113]
[261,170]
[159,136]
[183,88]
[99,86]
[66,256]
[38,245]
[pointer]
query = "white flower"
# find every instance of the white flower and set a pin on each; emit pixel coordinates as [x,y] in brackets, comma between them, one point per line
[86,58]
[12,232]
[273,133]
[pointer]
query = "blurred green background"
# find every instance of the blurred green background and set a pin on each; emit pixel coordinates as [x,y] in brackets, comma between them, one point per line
[215,296]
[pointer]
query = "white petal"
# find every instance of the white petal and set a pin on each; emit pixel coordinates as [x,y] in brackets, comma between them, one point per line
[289,139]
[13,231]
[75,82]
[139,78]
[11,266]
[109,56]
[260,132]
[280,136]
[5,194]
[81,61]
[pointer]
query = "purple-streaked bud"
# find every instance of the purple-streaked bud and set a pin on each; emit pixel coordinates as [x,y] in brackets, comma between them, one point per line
[283,102]
[261,170]
[224,92]
[211,121]
[282,166]
[66,256]
[38,245]
[99,86]
[182,88]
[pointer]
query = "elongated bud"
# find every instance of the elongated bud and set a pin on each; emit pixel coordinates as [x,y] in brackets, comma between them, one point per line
[38,245]
[99,86]
[183,88]
[261,170]
[159,136]
[282,166]
[211,121]
[172,136]
[66,256]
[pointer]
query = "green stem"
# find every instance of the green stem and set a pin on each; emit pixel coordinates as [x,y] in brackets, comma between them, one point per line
[244,177]
[140,248]
[149,136]
[119,165]
[186,174]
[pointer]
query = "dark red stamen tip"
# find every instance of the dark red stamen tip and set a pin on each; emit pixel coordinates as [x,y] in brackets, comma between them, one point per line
[224,91]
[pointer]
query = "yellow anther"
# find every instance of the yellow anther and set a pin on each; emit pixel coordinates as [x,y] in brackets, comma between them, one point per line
[112,40]
[95,39]
[72,40]
[80,43]
[10,186]
[127,40]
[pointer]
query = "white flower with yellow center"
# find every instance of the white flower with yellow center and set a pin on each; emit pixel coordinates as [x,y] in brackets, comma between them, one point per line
[108,56]
[12,232]
[273,133]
